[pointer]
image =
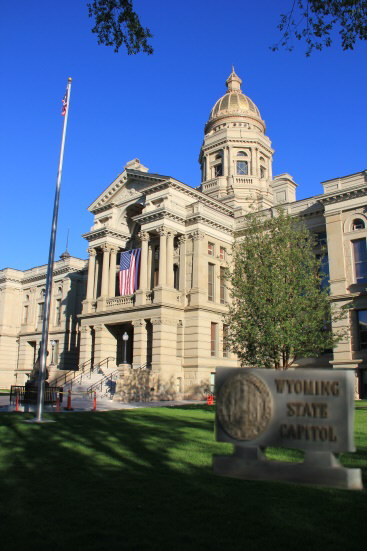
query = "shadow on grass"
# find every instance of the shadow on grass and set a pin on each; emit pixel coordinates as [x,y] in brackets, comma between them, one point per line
[142,479]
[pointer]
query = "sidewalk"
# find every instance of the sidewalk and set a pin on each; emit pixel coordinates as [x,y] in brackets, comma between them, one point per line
[85,404]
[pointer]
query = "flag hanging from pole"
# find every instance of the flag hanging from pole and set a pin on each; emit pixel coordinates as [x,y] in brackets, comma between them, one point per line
[129,271]
[65,101]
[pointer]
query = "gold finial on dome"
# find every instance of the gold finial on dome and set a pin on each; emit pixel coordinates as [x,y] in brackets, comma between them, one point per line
[233,82]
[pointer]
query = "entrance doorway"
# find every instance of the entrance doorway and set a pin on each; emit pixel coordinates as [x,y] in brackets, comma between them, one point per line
[118,331]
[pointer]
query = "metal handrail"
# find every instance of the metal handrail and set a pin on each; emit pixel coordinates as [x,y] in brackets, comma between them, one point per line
[73,372]
[76,373]
[92,387]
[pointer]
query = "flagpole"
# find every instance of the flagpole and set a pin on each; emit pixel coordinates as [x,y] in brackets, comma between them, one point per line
[51,256]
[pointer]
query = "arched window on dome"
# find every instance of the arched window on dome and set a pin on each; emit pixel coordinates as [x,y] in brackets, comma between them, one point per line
[358,224]
[241,165]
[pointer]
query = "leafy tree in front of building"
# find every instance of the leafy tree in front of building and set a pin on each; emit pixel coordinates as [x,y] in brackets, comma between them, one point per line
[314,21]
[280,311]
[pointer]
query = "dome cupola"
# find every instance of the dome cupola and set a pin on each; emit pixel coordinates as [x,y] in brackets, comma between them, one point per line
[234,105]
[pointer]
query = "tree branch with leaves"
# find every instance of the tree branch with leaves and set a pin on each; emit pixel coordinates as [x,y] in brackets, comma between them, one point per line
[117,24]
[315,20]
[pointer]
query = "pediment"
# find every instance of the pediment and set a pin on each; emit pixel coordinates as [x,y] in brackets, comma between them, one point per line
[129,185]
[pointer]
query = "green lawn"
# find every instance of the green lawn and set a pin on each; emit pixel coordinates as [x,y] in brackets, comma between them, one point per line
[142,479]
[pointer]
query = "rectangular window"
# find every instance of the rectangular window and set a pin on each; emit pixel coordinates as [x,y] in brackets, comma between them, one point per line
[211,282]
[222,283]
[225,341]
[242,167]
[360,260]
[222,253]
[41,308]
[324,269]
[58,312]
[213,339]
[54,352]
[211,249]
[362,329]
[25,314]
[218,170]
[321,240]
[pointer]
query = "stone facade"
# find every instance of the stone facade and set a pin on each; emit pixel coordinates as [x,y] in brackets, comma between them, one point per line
[174,320]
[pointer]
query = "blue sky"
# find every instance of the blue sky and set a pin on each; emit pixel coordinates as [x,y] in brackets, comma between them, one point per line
[155,107]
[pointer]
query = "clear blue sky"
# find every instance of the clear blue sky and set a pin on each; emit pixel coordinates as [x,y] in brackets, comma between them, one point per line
[155,107]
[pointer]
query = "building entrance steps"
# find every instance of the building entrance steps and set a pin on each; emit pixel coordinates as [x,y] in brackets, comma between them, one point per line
[102,380]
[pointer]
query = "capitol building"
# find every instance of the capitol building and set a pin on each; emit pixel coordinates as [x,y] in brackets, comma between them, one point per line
[174,319]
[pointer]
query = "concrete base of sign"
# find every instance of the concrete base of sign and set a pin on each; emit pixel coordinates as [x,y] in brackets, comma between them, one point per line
[319,468]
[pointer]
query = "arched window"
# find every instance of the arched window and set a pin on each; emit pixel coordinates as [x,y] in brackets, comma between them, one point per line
[241,154]
[43,293]
[358,224]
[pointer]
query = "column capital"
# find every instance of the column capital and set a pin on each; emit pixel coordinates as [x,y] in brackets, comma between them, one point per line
[138,323]
[92,251]
[197,235]
[106,247]
[144,236]
[162,231]
[182,239]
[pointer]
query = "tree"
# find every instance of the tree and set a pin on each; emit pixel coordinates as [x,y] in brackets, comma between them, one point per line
[279,310]
[314,20]
[117,24]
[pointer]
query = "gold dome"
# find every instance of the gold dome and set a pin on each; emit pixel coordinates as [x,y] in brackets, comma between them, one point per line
[234,102]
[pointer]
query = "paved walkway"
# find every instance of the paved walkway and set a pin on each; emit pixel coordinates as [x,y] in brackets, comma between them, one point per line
[86,404]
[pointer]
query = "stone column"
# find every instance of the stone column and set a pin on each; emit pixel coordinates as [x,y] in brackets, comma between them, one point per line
[112,282]
[144,237]
[85,351]
[198,238]
[164,359]
[225,161]
[170,236]
[105,344]
[140,342]
[162,256]
[182,268]
[149,268]
[91,273]
[105,270]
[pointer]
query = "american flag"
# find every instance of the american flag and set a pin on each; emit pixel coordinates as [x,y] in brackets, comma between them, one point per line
[129,271]
[64,103]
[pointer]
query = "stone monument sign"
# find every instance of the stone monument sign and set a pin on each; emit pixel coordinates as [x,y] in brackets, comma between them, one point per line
[306,409]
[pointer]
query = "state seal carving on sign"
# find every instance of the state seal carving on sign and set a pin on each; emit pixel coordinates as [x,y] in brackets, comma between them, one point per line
[244,406]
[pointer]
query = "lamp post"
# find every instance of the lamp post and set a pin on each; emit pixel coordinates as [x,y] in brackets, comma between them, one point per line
[125,338]
[53,343]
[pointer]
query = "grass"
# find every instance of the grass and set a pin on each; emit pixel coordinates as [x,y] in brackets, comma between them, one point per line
[142,480]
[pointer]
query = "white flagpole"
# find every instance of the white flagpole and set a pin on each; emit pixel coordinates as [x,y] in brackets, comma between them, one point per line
[51,256]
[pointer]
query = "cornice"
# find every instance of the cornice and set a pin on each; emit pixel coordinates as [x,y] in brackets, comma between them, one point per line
[10,280]
[59,271]
[225,141]
[343,195]
[103,208]
[104,232]
[158,214]
[199,218]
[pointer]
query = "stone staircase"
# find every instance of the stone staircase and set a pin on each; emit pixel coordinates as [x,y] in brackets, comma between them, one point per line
[101,380]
